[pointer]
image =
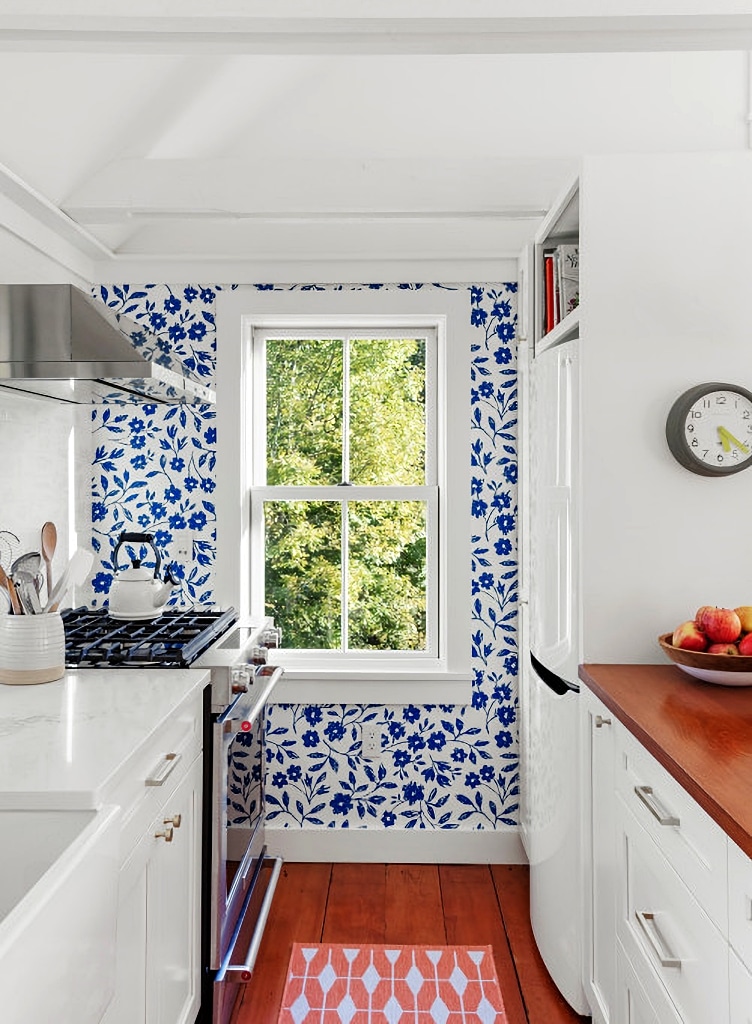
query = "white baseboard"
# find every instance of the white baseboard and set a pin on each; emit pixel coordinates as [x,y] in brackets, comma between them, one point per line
[427,846]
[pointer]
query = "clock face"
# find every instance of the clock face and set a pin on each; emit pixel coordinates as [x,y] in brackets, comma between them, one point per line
[709,429]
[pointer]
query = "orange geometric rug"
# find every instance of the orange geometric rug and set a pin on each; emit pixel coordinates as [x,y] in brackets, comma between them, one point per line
[363,984]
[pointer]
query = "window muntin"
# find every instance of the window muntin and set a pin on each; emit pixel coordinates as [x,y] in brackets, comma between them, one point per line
[345,505]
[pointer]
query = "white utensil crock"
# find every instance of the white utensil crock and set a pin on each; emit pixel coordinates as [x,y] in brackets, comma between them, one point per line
[32,648]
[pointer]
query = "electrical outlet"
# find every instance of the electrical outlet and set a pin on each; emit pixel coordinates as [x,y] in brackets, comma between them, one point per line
[182,547]
[370,742]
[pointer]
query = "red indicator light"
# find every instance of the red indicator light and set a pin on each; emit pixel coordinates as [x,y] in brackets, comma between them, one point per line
[245,726]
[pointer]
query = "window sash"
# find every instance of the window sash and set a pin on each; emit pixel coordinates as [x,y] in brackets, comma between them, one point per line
[346,496]
[366,333]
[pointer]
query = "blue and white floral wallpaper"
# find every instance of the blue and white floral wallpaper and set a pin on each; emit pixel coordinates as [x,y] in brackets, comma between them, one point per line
[442,766]
[153,465]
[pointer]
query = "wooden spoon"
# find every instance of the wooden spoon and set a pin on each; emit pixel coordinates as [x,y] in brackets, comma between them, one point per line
[49,543]
[8,585]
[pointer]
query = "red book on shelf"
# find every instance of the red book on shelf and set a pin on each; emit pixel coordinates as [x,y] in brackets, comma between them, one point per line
[548,278]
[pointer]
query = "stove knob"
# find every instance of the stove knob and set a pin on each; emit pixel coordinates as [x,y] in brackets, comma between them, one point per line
[239,679]
[258,655]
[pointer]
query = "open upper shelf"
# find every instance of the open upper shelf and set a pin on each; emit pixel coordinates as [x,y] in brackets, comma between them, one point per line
[561,227]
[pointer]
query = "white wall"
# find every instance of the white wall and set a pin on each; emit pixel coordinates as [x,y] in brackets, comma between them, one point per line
[37,469]
[666,280]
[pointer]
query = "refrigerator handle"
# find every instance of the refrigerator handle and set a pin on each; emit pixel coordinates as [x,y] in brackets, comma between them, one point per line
[556,683]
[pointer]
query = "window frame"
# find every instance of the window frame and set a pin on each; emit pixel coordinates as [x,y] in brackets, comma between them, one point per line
[448,679]
[346,329]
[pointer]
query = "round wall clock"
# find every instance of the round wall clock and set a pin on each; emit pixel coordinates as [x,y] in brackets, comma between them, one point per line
[709,429]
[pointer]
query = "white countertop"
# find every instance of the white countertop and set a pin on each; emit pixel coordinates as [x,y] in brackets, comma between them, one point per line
[61,742]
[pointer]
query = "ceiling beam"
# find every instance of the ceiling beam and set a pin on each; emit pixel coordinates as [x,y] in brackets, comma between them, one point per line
[130,190]
[463,34]
[30,215]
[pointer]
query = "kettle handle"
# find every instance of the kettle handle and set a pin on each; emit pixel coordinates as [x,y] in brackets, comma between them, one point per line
[136,538]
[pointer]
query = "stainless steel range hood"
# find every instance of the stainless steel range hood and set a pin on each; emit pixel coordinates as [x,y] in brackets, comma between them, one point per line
[57,341]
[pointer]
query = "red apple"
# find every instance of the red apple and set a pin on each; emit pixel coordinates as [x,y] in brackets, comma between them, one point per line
[721,625]
[745,617]
[701,611]
[689,638]
[722,649]
[745,644]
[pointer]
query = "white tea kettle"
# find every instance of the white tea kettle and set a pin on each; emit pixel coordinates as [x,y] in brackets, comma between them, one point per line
[137,592]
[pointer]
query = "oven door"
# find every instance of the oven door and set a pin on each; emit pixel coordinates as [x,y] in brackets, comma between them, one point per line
[238,851]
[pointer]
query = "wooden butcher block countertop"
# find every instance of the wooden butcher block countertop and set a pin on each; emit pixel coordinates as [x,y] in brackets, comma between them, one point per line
[701,733]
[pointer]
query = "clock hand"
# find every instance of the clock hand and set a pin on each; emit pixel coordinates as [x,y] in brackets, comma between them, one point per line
[727,437]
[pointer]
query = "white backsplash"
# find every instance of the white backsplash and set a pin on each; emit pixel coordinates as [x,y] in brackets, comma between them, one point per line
[43,474]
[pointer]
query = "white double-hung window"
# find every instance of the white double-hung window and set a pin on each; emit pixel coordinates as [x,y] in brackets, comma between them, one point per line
[345,490]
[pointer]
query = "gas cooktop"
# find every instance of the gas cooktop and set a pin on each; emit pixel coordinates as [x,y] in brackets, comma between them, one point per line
[172,640]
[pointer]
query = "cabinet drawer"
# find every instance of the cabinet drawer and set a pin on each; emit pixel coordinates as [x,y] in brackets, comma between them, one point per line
[665,932]
[740,986]
[157,768]
[634,1005]
[692,842]
[740,902]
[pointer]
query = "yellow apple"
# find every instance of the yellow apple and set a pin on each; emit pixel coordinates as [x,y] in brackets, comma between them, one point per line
[745,616]
[688,637]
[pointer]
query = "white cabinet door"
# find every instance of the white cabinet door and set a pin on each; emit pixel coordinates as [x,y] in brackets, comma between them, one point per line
[173,945]
[632,1004]
[158,926]
[129,1003]
[553,484]
[600,857]
[665,932]
[740,985]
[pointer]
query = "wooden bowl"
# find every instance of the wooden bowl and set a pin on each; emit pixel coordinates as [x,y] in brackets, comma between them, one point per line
[724,669]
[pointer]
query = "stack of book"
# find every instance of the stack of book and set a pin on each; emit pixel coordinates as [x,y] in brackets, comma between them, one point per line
[561,280]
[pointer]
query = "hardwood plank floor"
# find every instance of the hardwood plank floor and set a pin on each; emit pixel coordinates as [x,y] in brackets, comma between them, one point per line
[407,903]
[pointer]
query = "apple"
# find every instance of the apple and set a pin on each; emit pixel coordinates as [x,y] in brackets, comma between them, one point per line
[701,612]
[723,649]
[689,638]
[745,644]
[745,617]
[721,625]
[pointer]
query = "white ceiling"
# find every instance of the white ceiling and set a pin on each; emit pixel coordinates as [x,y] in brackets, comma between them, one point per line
[229,148]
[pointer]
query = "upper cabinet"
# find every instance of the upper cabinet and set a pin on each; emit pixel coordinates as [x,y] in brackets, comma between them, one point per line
[556,273]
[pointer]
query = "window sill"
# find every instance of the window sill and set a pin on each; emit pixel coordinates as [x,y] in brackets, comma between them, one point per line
[393,685]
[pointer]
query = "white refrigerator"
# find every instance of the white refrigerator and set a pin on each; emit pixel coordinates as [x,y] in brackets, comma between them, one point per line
[550,646]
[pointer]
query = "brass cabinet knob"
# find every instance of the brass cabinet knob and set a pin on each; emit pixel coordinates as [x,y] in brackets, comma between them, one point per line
[174,820]
[166,835]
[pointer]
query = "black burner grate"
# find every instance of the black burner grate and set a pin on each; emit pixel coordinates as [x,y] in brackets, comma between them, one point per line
[173,640]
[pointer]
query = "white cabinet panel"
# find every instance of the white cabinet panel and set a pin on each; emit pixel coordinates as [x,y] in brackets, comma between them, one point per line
[554,588]
[665,931]
[685,834]
[740,985]
[600,858]
[633,1004]
[158,923]
[740,902]
[158,941]
[174,907]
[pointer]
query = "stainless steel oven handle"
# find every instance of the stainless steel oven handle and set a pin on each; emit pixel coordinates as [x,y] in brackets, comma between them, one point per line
[244,971]
[248,706]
